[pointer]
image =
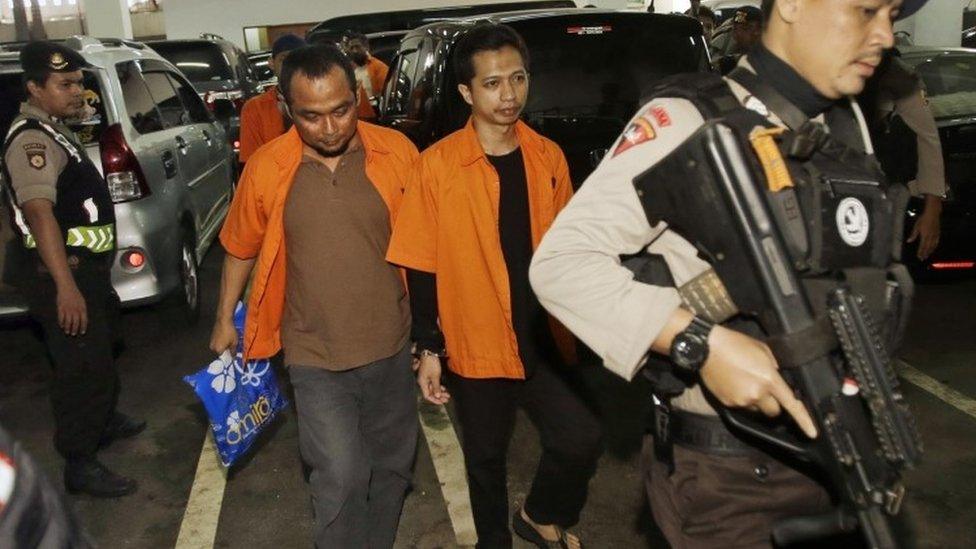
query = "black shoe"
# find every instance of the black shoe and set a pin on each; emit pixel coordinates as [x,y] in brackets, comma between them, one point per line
[121,426]
[89,476]
[527,532]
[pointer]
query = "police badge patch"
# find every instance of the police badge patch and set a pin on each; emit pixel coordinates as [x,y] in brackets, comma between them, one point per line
[57,61]
[37,159]
[639,131]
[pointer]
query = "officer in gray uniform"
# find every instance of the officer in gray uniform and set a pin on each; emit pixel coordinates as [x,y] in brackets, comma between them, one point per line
[717,491]
[65,219]
[907,143]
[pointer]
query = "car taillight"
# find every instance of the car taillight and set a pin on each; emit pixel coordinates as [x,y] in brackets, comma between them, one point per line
[133,260]
[236,96]
[121,168]
[953,265]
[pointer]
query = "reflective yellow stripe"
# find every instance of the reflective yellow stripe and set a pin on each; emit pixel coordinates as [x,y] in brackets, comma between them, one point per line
[97,239]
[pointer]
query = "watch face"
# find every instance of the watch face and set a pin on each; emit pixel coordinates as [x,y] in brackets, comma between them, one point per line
[689,351]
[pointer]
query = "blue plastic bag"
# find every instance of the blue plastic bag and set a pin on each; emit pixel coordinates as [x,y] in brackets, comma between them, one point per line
[241,400]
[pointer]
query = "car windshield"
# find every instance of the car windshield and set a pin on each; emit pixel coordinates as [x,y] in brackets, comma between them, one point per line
[950,81]
[88,131]
[600,70]
[199,61]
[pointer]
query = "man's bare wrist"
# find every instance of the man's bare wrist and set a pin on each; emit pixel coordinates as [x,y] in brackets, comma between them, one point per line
[425,353]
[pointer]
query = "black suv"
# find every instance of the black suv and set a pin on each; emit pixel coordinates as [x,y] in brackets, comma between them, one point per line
[588,69]
[218,69]
[332,30]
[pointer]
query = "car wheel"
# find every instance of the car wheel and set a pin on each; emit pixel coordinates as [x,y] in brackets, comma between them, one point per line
[188,293]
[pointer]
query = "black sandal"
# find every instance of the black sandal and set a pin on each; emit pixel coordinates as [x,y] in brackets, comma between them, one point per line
[527,532]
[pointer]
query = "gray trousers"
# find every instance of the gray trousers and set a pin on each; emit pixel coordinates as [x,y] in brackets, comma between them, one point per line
[357,431]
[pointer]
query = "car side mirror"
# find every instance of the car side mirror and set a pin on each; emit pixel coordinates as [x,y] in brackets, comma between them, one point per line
[224,109]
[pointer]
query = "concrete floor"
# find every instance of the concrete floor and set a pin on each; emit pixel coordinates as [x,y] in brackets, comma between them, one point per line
[266,504]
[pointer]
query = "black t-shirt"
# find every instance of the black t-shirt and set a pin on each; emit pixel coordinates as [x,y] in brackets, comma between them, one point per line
[529,319]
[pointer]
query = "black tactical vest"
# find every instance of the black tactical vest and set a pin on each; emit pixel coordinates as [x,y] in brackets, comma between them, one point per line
[834,217]
[84,208]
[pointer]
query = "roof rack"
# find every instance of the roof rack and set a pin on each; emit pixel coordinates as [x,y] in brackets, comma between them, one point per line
[80,42]
[211,36]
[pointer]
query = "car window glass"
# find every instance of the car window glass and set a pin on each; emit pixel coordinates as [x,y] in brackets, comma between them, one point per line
[11,96]
[420,94]
[139,104]
[246,70]
[401,82]
[199,61]
[262,67]
[167,100]
[191,100]
[950,83]
[601,70]
[89,130]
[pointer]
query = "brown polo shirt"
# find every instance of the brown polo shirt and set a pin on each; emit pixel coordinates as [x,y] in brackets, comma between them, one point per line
[345,306]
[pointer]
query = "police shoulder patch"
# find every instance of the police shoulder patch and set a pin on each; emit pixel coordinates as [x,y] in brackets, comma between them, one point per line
[639,131]
[37,159]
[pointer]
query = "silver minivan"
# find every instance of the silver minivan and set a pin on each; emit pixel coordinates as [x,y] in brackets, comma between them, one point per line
[165,158]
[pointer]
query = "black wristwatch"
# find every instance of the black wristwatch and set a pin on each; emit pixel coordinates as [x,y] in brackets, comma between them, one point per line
[689,349]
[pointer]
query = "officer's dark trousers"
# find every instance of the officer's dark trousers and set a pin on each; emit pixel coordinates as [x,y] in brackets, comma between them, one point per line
[85,384]
[721,501]
[570,447]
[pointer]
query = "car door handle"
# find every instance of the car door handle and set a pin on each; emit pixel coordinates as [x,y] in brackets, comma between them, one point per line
[181,143]
[169,164]
[207,138]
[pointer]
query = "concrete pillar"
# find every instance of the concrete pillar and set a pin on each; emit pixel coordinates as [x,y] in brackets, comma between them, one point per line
[939,23]
[108,19]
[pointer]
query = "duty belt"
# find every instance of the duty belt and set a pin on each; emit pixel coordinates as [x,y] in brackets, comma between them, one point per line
[706,434]
[96,239]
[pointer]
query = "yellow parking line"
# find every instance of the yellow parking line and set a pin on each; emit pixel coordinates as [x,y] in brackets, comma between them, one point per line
[445,450]
[199,527]
[941,391]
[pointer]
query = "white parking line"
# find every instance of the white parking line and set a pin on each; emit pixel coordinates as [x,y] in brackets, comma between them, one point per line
[199,527]
[941,391]
[445,450]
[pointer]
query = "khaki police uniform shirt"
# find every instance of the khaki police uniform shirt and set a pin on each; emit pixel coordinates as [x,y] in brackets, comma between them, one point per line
[34,160]
[576,271]
[901,91]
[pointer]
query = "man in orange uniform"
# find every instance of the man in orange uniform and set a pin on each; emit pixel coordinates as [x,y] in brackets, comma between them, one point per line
[481,201]
[313,213]
[370,72]
[262,118]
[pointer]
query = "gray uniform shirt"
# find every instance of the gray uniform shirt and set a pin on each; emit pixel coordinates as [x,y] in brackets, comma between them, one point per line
[901,91]
[576,271]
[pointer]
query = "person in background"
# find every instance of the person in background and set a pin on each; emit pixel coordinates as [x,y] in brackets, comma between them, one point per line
[746,34]
[707,18]
[263,117]
[906,142]
[370,71]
